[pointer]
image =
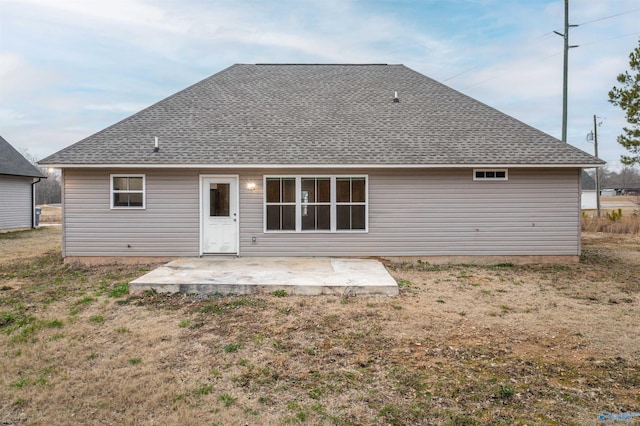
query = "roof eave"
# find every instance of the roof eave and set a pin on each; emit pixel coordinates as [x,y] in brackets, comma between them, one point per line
[585,165]
[32,176]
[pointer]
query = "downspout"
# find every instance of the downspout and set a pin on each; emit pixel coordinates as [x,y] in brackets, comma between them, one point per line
[33,203]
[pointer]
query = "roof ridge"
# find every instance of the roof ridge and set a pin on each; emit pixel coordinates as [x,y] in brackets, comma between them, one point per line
[246,114]
[318,64]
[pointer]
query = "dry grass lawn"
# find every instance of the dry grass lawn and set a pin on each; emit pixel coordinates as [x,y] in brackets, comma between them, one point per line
[461,345]
[619,215]
[50,214]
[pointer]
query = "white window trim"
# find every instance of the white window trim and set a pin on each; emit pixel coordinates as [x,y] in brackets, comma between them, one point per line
[493,179]
[333,209]
[331,204]
[265,204]
[143,192]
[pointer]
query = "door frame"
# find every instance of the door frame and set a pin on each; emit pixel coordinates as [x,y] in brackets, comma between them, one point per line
[201,215]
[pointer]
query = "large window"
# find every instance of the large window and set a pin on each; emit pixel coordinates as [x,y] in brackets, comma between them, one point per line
[315,203]
[127,192]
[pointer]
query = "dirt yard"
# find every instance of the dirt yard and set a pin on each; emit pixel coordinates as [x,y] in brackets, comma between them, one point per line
[461,345]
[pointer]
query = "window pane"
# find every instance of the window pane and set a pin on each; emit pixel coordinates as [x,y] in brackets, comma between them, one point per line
[501,175]
[479,175]
[120,200]
[273,190]
[135,200]
[135,184]
[358,193]
[323,217]
[273,218]
[120,184]
[343,190]
[343,219]
[324,191]
[308,217]
[219,199]
[289,218]
[308,190]
[490,174]
[316,217]
[289,190]
[357,217]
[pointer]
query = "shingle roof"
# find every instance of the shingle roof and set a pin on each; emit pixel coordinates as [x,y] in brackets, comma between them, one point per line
[13,163]
[274,114]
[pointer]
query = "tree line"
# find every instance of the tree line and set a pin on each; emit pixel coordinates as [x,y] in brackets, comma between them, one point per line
[49,190]
[627,177]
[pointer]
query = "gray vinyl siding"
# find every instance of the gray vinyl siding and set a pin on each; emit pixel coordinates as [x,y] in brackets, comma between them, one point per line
[16,208]
[426,212]
[167,227]
[439,212]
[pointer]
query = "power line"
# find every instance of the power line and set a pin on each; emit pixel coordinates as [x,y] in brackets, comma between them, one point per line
[545,36]
[609,17]
[539,58]
[500,76]
[459,74]
[607,39]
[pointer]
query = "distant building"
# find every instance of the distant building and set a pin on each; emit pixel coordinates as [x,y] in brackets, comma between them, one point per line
[17,194]
[588,199]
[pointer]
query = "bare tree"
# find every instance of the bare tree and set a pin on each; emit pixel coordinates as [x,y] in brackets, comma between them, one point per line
[627,177]
[49,190]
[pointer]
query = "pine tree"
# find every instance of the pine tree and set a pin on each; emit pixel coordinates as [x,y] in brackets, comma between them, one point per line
[627,97]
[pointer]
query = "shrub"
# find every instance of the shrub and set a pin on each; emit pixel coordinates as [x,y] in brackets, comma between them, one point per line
[614,215]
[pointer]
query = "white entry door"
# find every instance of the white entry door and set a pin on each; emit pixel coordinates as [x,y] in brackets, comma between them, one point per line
[219,214]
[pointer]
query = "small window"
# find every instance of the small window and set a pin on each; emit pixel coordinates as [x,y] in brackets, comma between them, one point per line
[219,199]
[490,174]
[127,191]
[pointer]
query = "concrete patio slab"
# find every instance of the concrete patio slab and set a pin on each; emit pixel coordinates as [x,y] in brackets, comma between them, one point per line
[260,275]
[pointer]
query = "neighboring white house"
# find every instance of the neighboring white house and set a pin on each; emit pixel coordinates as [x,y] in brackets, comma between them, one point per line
[320,160]
[588,199]
[17,193]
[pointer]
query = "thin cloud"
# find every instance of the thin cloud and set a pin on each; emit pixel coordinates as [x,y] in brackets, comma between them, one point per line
[117,107]
[84,64]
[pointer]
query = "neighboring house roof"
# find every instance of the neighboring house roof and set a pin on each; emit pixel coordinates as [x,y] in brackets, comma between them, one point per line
[320,115]
[13,163]
[588,183]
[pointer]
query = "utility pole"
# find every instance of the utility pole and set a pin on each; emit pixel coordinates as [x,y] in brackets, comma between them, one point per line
[566,68]
[594,136]
[595,144]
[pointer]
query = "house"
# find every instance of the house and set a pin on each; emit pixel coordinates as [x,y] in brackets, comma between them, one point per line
[17,189]
[320,160]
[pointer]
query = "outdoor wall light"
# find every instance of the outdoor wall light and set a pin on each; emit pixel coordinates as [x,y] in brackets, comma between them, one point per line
[251,186]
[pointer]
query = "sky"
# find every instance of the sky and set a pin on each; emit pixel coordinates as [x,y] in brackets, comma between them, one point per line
[69,68]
